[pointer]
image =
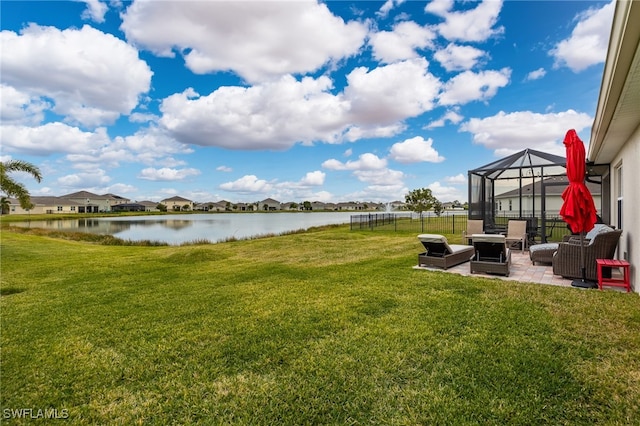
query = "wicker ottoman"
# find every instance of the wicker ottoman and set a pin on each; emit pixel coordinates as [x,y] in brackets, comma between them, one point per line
[542,252]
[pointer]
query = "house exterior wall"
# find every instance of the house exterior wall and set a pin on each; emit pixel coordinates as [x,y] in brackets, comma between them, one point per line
[629,159]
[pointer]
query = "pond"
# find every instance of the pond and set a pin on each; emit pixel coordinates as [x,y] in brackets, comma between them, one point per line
[178,229]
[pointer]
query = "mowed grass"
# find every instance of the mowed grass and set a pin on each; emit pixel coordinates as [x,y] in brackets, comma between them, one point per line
[324,327]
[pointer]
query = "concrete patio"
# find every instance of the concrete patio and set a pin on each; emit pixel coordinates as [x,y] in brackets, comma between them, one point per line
[521,269]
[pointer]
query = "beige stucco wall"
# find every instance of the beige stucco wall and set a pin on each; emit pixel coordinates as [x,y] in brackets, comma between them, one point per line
[629,246]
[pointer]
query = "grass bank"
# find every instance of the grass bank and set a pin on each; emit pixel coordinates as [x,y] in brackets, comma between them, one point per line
[323,327]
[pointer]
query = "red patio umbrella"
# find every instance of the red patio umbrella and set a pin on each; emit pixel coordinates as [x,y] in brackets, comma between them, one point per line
[578,209]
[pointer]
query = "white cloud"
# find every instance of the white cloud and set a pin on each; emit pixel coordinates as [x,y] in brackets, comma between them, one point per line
[247,184]
[167,174]
[388,94]
[18,107]
[95,10]
[91,77]
[402,42]
[470,86]
[366,161]
[315,178]
[451,116]
[415,150]
[225,169]
[458,179]
[469,25]
[387,6]
[535,75]
[279,114]
[90,179]
[445,193]
[307,37]
[507,133]
[52,138]
[588,42]
[459,58]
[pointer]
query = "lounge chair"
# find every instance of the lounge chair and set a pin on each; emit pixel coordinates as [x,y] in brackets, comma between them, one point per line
[474,226]
[517,234]
[440,254]
[492,256]
[567,259]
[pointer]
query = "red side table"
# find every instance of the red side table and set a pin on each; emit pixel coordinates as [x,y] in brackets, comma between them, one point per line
[615,282]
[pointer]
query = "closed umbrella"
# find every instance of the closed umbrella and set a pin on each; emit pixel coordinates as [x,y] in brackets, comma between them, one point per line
[578,209]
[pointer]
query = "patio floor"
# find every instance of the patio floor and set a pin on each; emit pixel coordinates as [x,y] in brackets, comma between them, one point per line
[521,269]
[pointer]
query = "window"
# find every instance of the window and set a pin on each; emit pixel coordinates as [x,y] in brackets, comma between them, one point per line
[618,192]
[73,208]
[59,208]
[510,205]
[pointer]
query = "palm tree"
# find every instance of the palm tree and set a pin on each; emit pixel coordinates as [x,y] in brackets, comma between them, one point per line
[4,205]
[15,189]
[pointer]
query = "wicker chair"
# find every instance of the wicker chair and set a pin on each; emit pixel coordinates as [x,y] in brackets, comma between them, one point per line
[439,253]
[566,260]
[474,226]
[492,256]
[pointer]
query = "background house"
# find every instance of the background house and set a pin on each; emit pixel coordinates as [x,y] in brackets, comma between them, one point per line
[177,204]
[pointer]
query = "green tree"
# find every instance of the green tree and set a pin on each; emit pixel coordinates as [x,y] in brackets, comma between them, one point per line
[5,205]
[420,200]
[15,189]
[161,207]
[438,208]
[307,205]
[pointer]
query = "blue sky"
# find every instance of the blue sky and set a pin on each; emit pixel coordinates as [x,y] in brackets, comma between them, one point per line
[294,100]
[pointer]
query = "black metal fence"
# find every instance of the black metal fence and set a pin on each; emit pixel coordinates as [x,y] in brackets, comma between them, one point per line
[452,224]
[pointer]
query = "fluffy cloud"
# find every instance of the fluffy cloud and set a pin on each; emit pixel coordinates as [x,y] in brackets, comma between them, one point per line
[509,133]
[445,193]
[167,174]
[469,25]
[535,75]
[415,150]
[279,114]
[402,42]
[458,179]
[52,138]
[459,58]
[247,184]
[308,35]
[388,94]
[91,77]
[18,107]
[588,42]
[450,116]
[470,86]
[366,161]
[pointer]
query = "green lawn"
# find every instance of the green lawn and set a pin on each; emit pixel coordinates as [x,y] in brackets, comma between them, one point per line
[324,327]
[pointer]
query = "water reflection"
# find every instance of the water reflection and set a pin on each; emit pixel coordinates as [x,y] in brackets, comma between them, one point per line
[177,229]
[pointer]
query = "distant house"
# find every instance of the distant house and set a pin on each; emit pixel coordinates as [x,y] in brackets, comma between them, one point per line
[88,202]
[397,205]
[509,202]
[151,206]
[129,207]
[350,206]
[269,204]
[47,205]
[177,204]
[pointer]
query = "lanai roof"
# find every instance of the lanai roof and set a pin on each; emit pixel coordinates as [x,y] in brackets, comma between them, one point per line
[509,167]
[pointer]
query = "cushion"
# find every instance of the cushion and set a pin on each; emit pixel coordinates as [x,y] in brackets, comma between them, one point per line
[543,247]
[427,239]
[598,228]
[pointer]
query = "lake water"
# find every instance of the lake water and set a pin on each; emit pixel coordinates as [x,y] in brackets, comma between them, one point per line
[177,229]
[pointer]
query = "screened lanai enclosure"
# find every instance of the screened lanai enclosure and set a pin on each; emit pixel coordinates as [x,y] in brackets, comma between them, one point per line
[527,186]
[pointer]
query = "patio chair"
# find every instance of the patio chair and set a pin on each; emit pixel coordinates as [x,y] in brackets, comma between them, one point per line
[517,234]
[492,255]
[474,226]
[567,259]
[440,254]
